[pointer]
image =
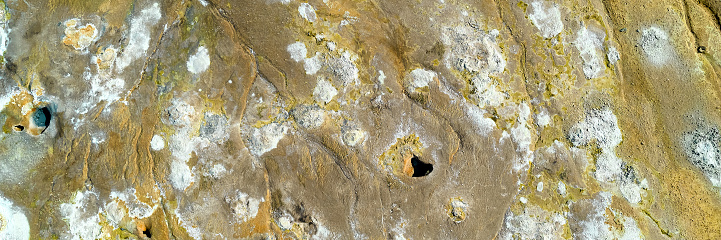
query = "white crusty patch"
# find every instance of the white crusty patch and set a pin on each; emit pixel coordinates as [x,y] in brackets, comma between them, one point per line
[136,208]
[82,217]
[307,12]
[180,175]
[324,91]
[613,55]
[419,78]
[4,30]
[13,222]
[483,124]
[312,64]
[600,126]
[656,45]
[157,143]
[199,62]
[547,20]
[297,51]
[533,223]
[243,206]
[266,138]
[139,36]
[589,43]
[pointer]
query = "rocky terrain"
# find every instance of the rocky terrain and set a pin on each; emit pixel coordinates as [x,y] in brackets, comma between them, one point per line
[347,119]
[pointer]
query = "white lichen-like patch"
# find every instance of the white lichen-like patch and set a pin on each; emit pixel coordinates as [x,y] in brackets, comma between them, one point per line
[297,51]
[199,62]
[613,55]
[543,119]
[539,187]
[344,68]
[561,188]
[217,171]
[593,225]
[324,91]
[180,175]
[307,12]
[533,223]
[312,64]
[4,29]
[589,43]
[547,19]
[419,78]
[285,222]
[83,216]
[136,208]
[472,50]
[79,37]
[157,143]
[243,206]
[139,35]
[13,222]
[309,116]
[522,136]
[266,138]
[381,77]
[702,148]
[476,52]
[656,45]
[600,127]
[483,124]
[596,214]
[182,115]
[352,136]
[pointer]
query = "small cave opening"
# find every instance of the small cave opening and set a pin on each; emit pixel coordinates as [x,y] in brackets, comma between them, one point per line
[19,128]
[420,168]
[146,232]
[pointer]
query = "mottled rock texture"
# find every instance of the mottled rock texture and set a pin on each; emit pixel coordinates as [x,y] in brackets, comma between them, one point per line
[346,119]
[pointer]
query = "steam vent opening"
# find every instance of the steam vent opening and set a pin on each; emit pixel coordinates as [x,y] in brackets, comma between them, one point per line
[420,168]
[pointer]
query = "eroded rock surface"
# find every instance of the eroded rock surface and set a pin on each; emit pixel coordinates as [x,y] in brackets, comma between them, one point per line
[344,119]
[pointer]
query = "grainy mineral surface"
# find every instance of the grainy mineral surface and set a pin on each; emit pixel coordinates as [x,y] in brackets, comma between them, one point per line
[352,119]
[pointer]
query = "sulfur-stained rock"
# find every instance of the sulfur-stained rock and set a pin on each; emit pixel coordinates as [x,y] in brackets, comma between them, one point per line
[345,119]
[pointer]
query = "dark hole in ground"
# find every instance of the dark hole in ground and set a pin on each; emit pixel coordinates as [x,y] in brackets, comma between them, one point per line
[147,233]
[19,128]
[420,169]
[42,117]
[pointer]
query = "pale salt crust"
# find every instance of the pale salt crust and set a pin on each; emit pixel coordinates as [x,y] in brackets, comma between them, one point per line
[419,78]
[139,36]
[266,138]
[13,222]
[307,12]
[601,127]
[244,207]
[533,223]
[83,221]
[199,62]
[324,91]
[157,143]
[589,44]
[547,20]
[478,53]
[656,46]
